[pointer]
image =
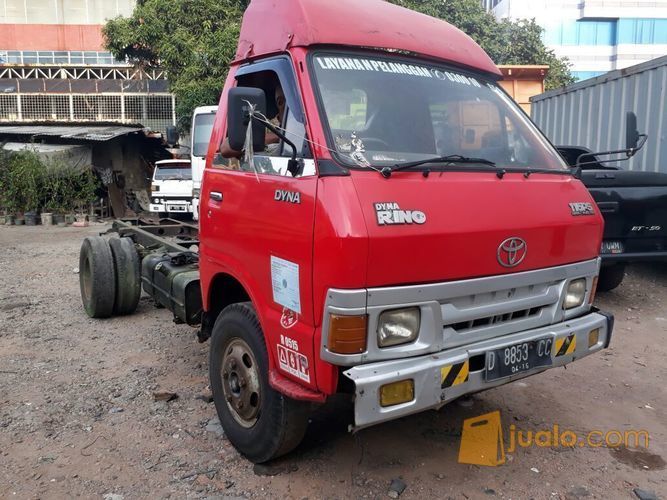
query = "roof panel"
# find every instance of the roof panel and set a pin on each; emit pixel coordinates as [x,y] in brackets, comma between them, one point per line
[85,133]
[272,26]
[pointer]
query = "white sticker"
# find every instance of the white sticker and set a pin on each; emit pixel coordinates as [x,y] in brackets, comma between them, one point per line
[285,283]
[294,363]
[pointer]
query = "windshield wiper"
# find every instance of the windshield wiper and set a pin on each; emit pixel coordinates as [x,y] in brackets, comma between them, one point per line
[387,171]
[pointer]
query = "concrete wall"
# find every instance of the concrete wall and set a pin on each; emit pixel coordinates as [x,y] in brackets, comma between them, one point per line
[63,11]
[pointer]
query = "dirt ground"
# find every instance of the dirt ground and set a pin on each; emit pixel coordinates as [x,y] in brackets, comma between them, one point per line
[78,416]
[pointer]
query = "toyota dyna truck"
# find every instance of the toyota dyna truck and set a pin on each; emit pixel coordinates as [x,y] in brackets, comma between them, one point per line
[377,218]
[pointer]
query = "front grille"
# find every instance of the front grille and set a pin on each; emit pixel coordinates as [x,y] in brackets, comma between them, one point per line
[491,313]
[495,320]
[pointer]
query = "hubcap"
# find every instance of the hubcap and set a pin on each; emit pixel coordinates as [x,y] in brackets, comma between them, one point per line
[240,382]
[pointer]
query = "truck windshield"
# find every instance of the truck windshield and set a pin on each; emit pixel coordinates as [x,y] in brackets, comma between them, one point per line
[201,134]
[181,172]
[387,110]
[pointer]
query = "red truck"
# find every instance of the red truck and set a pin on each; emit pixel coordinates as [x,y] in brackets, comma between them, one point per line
[407,237]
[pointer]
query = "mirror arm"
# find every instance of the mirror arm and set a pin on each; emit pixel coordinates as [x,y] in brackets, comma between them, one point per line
[293,166]
[629,153]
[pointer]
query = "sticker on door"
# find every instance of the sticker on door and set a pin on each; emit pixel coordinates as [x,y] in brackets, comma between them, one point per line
[285,283]
[293,363]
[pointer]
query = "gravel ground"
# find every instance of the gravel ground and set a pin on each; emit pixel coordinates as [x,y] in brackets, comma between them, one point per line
[78,416]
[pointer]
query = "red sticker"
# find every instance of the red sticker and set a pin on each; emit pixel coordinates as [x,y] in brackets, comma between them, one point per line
[289,318]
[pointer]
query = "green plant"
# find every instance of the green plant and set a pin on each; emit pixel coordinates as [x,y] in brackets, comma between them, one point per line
[67,189]
[27,183]
[24,181]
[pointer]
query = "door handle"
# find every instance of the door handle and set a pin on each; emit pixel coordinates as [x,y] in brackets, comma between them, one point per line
[215,196]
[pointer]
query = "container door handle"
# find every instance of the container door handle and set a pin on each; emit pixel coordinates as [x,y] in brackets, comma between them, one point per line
[215,196]
[608,207]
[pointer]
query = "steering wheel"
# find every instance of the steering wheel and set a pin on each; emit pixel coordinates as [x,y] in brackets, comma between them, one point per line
[370,140]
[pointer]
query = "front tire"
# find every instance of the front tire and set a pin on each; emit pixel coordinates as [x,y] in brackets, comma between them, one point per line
[611,277]
[260,422]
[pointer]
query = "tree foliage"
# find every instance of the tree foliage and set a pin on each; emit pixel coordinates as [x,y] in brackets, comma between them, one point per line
[506,41]
[195,40]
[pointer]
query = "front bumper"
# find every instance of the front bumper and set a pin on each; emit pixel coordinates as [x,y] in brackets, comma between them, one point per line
[614,258]
[426,370]
[177,208]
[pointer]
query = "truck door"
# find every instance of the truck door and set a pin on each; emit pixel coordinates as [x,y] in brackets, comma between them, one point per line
[257,225]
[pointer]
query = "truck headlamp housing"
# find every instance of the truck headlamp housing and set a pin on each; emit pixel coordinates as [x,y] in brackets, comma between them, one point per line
[398,326]
[576,293]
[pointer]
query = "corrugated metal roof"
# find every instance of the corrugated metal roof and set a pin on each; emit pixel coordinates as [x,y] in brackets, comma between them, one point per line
[591,113]
[80,132]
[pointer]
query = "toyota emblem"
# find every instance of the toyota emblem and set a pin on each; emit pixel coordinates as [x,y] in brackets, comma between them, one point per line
[511,252]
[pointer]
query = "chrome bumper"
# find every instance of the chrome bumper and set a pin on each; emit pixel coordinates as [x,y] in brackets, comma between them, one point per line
[426,370]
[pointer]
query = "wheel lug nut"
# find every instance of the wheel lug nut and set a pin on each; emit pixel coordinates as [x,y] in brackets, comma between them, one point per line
[242,382]
[225,374]
[240,404]
[233,364]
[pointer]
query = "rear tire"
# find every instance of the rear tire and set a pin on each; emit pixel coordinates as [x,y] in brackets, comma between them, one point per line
[611,277]
[127,268]
[259,421]
[97,279]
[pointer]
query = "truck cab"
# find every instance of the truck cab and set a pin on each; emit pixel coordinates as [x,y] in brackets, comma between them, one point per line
[203,118]
[171,187]
[409,238]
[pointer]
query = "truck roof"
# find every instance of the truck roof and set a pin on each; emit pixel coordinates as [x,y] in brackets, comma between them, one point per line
[271,27]
[161,163]
[205,109]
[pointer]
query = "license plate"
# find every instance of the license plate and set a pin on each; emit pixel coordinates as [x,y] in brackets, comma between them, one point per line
[518,358]
[613,247]
[177,208]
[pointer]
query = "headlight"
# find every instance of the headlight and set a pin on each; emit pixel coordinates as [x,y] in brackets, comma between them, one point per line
[156,201]
[398,326]
[576,292]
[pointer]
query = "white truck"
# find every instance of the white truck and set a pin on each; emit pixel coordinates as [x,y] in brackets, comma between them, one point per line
[200,135]
[172,187]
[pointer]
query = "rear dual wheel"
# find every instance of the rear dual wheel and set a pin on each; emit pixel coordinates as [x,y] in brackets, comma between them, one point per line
[109,276]
[259,421]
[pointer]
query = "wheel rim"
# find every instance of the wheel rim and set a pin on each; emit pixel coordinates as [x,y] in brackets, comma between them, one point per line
[240,382]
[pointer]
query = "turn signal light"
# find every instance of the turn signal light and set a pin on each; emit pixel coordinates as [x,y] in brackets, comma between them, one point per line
[397,393]
[347,334]
[593,290]
[593,337]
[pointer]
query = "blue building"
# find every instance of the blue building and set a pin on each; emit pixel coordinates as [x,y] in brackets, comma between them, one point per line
[597,36]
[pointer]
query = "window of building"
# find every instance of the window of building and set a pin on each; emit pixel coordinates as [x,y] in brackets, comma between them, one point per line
[642,31]
[583,32]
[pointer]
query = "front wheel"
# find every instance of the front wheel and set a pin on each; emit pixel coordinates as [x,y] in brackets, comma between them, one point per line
[259,421]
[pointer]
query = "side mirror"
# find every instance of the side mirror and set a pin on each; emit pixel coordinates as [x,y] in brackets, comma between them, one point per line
[172,135]
[631,132]
[238,117]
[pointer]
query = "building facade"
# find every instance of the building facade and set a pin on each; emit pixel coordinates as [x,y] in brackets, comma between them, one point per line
[597,36]
[54,68]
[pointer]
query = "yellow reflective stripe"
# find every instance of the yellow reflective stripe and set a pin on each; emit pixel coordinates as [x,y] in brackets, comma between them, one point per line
[463,374]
